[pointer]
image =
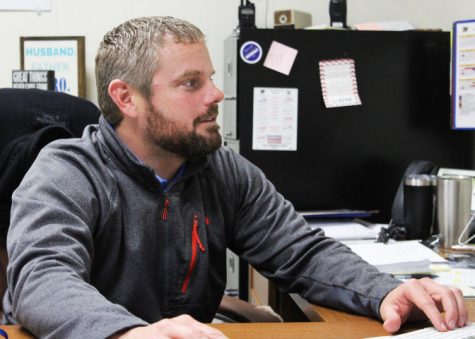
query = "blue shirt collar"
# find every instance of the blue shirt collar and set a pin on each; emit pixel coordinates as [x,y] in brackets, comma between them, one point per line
[166,182]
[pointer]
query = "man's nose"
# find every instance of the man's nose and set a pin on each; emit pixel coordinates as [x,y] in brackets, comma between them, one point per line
[215,95]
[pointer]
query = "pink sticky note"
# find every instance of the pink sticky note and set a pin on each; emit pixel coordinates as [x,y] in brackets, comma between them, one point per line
[280,57]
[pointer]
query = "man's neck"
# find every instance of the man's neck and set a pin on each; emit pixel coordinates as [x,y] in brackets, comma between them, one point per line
[164,163]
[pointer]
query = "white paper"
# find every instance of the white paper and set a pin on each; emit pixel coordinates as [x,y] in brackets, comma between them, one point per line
[25,5]
[344,230]
[275,119]
[397,25]
[464,75]
[338,81]
[280,57]
[398,257]
[456,277]
[466,332]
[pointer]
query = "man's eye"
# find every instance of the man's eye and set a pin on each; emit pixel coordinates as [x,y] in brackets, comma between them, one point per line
[193,83]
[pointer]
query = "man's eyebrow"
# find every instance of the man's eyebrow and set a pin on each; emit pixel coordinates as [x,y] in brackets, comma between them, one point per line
[191,73]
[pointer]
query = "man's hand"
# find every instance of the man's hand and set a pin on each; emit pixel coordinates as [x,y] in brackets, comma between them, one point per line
[424,298]
[182,326]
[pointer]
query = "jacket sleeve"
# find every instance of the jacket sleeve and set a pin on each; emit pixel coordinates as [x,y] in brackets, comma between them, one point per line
[50,246]
[277,241]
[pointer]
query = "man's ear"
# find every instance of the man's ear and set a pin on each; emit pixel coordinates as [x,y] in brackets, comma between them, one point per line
[123,96]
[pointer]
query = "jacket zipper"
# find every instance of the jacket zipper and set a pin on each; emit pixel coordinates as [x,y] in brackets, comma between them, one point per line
[195,242]
[166,205]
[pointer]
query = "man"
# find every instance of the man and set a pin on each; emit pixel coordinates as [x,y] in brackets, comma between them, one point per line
[123,233]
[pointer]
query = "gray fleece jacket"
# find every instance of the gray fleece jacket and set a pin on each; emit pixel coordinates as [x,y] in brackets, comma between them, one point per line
[96,245]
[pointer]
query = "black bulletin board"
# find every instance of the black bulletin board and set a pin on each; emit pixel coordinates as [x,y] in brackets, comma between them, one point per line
[354,157]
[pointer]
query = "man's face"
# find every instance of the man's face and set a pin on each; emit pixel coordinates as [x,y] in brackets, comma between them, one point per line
[181,114]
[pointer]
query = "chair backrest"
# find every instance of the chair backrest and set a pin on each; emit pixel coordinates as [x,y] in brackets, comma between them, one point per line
[29,120]
[24,111]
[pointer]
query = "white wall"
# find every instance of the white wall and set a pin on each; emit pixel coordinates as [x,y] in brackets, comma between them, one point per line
[217,18]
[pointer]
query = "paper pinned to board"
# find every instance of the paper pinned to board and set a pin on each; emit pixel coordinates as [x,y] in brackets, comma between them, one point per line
[338,82]
[463,75]
[275,119]
[280,57]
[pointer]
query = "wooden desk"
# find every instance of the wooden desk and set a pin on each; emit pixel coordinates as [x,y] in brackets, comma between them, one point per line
[301,330]
[326,323]
[16,332]
[271,330]
[332,324]
[327,315]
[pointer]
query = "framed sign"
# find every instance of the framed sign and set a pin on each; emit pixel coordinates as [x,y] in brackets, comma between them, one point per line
[63,55]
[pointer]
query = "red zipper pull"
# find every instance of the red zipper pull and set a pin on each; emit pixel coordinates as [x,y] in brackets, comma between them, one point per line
[166,204]
[206,220]
[195,236]
[195,240]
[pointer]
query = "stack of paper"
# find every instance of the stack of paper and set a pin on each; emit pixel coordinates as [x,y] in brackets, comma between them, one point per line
[403,257]
[344,230]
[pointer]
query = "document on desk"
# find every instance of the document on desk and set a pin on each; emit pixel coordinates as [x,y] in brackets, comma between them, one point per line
[463,278]
[403,257]
[466,332]
[344,230]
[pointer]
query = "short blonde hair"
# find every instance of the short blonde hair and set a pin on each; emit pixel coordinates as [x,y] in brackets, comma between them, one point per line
[130,52]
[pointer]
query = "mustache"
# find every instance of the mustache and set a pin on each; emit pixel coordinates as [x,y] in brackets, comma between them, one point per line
[212,113]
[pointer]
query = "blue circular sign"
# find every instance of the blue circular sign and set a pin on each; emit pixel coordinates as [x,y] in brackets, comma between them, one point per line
[251,52]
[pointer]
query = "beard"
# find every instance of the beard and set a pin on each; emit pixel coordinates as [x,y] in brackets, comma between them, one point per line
[190,145]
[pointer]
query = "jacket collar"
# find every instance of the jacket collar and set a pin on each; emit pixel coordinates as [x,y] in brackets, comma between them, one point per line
[128,163]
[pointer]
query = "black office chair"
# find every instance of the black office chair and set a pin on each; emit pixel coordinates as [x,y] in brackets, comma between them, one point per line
[233,310]
[29,120]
